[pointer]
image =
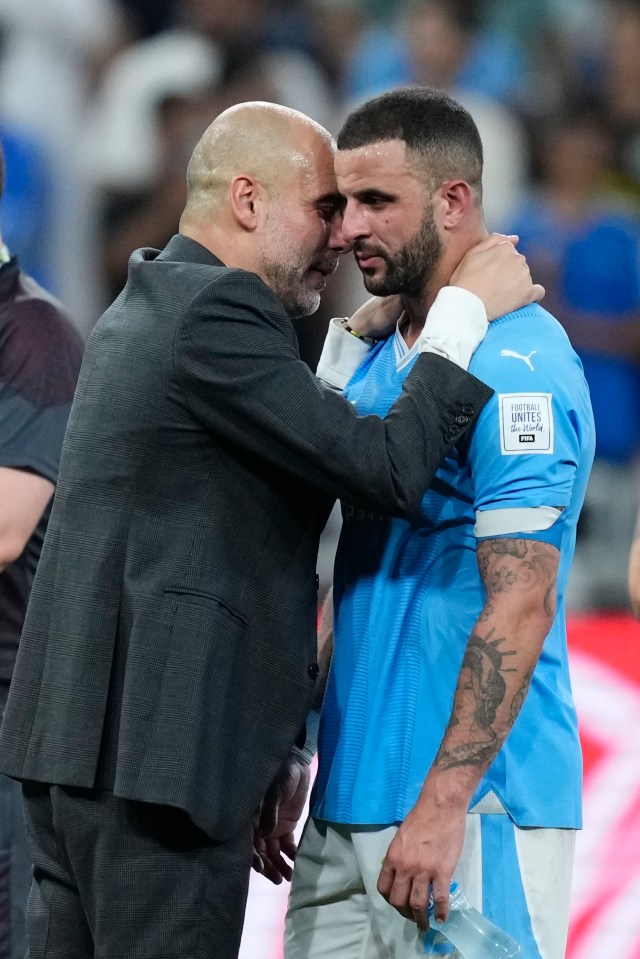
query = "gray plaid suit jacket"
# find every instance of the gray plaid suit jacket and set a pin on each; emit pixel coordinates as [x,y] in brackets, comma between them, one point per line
[169,645]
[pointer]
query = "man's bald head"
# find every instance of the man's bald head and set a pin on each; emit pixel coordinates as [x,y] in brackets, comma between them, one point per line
[265,141]
[262,197]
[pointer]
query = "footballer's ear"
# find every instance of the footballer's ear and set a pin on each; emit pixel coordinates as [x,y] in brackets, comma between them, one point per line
[247,195]
[452,202]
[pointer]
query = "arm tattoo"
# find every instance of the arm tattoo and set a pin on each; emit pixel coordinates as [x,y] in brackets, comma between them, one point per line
[509,547]
[482,557]
[501,579]
[509,565]
[487,611]
[485,702]
[482,669]
[518,699]
[547,603]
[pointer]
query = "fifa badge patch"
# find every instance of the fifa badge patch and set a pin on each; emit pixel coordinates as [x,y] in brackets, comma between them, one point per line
[526,423]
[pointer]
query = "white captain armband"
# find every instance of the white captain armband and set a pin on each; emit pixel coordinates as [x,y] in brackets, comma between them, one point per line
[521,522]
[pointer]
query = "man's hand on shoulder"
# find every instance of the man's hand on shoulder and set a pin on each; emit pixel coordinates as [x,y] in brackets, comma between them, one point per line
[499,275]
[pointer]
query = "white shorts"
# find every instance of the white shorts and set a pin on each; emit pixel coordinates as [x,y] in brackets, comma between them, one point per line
[521,878]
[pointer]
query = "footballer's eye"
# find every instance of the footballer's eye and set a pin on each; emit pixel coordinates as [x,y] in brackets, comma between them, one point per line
[376,200]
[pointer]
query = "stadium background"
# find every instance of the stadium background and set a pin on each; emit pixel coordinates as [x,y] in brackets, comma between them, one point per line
[101,102]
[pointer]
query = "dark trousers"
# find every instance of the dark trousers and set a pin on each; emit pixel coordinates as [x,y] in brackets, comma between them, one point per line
[115,879]
[15,871]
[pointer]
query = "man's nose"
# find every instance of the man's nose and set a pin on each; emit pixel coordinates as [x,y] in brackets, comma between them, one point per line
[353,226]
[337,240]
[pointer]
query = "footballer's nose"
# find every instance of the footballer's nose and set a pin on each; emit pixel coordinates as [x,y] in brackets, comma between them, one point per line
[354,225]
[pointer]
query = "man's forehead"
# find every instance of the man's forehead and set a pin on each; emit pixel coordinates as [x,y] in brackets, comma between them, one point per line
[316,173]
[321,189]
[382,159]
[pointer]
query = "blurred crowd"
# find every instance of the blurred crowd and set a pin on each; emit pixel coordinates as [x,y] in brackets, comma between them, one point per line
[101,102]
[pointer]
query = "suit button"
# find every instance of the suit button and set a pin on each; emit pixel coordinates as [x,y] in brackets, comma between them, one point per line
[462,419]
[468,409]
[317,581]
[314,670]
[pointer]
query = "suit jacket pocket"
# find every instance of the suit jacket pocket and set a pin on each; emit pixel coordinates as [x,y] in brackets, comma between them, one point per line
[201,674]
[195,595]
[194,756]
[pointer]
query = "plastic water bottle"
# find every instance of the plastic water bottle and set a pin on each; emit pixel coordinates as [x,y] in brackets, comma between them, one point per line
[473,935]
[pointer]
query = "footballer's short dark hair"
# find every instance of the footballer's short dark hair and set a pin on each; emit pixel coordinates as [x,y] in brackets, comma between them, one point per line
[436,129]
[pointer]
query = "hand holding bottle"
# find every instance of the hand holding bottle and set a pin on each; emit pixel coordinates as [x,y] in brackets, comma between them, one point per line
[473,935]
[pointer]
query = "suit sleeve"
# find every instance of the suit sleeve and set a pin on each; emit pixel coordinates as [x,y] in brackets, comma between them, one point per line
[236,361]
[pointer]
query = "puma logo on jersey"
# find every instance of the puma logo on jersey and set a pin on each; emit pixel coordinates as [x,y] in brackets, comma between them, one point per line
[519,356]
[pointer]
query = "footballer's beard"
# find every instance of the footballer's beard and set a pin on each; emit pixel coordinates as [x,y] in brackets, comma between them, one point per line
[409,270]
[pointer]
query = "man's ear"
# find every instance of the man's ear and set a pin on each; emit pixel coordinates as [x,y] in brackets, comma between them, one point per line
[453,201]
[247,198]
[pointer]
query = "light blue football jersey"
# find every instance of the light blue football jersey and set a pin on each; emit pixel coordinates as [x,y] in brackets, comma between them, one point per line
[407,591]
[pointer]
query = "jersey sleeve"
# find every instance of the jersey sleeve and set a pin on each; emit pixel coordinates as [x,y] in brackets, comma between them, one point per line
[525,450]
